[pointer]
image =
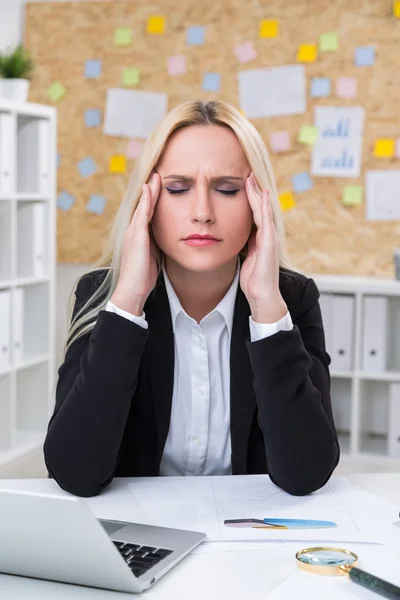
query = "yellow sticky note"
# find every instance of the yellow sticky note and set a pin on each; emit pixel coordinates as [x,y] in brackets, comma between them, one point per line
[268,28]
[396,8]
[130,76]
[123,36]
[117,164]
[287,201]
[56,91]
[307,53]
[156,24]
[352,195]
[308,134]
[328,42]
[384,148]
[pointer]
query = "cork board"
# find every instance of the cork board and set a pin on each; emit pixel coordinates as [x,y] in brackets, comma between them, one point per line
[324,236]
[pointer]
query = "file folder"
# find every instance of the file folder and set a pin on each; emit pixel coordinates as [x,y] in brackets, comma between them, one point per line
[31,251]
[375,326]
[6,154]
[325,303]
[18,323]
[342,332]
[5,333]
[394,421]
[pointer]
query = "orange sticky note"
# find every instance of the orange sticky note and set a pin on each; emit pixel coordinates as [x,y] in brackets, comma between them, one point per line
[117,164]
[396,8]
[269,28]
[384,148]
[156,24]
[307,53]
[287,201]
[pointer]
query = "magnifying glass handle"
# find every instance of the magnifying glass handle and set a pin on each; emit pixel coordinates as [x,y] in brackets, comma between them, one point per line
[371,582]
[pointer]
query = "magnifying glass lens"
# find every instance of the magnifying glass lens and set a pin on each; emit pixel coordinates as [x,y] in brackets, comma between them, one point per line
[326,558]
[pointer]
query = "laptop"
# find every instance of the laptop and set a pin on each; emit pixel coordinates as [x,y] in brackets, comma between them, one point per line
[59,538]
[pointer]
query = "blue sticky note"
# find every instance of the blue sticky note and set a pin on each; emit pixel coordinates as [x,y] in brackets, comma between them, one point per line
[58,160]
[96,204]
[320,87]
[93,68]
[65,201]
[211,82]
[92,117]
[195,36]
[302,182]
[364,56]
[87,166]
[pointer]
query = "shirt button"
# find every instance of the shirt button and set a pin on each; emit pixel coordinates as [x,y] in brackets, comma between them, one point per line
[201,390]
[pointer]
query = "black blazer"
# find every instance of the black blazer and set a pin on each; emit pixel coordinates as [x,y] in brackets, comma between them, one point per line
[114,393]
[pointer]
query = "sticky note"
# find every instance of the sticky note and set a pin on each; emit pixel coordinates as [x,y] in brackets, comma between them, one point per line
[56,91]
[92,117]
[211,82]
[156,25]
[328,42]
[269,28]
[384,148]
[123,36]
[302,182]
[96,204]
[307,53]
[117,164]
[397,150]
[320,87]
[346,87]
[130,76]
[396,8]
[65,201]
[364,56]
[195,36]
[280,141]
[352,195]
[245,52]
[308,134]
[93,68]
[133,149]
[87,166]
[287,201]
[176,65]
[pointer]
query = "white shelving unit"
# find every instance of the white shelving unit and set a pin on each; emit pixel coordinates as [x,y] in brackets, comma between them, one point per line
[365,348]
[27,276]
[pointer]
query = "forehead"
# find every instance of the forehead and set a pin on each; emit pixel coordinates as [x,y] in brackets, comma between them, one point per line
[203,146]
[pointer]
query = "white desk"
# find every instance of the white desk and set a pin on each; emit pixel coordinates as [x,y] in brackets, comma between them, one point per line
[232,575]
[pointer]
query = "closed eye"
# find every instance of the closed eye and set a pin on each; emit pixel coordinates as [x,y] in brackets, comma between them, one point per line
[225,192]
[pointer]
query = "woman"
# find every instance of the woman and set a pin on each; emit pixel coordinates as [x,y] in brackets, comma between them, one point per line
[188,357]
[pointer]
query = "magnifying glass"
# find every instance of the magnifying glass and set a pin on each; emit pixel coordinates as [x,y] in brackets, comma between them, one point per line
[337,561]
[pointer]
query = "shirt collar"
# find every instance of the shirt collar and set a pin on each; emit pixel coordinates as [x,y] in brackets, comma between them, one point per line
[226,307]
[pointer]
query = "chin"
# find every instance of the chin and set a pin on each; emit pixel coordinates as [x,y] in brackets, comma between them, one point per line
[201,259]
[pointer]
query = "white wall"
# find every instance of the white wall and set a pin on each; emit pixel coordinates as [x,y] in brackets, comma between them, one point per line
[11,34]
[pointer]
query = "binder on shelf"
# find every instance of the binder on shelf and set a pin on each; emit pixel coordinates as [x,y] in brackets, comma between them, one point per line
[375,329]
[394,421]
[325,302]
[5,333]
[6,154]
[33,155]
[31,239]
[342,332]
[18,325]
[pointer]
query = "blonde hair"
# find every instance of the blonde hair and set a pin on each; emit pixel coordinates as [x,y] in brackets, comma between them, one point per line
[186,114]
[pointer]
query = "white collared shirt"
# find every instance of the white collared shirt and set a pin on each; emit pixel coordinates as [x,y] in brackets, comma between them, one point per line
[199,440]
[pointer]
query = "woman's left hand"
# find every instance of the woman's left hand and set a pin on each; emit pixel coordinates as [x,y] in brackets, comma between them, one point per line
[259,275]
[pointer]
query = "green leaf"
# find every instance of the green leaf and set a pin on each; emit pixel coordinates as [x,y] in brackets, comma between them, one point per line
[16,64]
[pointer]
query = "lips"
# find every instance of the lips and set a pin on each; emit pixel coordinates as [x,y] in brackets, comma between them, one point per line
[202,237]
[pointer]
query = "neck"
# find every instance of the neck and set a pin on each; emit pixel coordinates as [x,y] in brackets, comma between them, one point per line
[199,292]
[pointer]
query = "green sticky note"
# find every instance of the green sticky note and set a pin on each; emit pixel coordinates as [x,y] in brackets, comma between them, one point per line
[328,42]
[130,76]
[308,134]
[352,195]
[56,91]
[123,36]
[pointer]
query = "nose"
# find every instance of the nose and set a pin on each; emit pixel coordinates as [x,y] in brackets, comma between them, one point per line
[201,207]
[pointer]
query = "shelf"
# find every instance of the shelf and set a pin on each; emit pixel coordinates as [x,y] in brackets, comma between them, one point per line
[32,399]
[33,197]
[342,374]
[386,376]
[25,443]
[28,361]
[373,445]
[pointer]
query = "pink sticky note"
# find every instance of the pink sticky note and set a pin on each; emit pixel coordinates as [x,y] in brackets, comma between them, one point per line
[397,148]
[133,149]
[245,52]
[176,65]
[280,141]
[346,87]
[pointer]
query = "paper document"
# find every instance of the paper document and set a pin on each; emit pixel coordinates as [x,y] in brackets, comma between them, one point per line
[133,114]
[204,503]
[383,195]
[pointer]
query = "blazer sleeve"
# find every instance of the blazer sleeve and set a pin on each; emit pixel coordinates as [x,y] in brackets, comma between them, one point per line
[292,386]
[96,383]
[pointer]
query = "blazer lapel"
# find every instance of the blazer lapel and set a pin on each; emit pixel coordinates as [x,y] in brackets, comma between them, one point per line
[243,399]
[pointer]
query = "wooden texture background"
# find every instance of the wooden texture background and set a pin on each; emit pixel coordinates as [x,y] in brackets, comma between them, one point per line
[324,236]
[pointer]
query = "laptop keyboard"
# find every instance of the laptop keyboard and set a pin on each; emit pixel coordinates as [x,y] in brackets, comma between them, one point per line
[141,558]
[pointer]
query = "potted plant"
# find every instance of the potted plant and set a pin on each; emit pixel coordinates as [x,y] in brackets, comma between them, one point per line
[16,68]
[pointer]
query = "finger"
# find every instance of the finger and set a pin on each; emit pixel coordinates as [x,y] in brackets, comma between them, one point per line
[267,214]
[254,201]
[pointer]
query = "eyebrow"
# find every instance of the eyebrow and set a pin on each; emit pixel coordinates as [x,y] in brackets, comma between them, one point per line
[222,178]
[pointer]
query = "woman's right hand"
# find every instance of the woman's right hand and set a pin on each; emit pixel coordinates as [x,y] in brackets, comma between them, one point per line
[138,273]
